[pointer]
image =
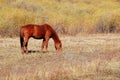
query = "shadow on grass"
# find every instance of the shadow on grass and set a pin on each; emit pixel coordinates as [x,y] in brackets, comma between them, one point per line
[36,51]
[33,51]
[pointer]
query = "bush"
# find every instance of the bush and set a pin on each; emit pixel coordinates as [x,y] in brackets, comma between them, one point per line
[108,23]
[66,16]
[21,4]
[10,26]
[73,29]
[59,28]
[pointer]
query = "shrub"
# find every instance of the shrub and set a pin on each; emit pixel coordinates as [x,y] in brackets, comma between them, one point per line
[10,26]
[73,29]
[108,23]
[26,6]
[59,28]
[66,16]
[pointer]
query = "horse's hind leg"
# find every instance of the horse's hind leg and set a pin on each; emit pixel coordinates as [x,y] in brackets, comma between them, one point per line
[26,47]
[26,43]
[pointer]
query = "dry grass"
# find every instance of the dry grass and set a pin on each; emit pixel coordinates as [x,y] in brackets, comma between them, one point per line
[84,57]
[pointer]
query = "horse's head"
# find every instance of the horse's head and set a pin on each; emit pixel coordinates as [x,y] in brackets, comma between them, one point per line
[58,46]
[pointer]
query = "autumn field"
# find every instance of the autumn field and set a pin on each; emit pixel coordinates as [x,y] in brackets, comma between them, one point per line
[84,57]
[89,31]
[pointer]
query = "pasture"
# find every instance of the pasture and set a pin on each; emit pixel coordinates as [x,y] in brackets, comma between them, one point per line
[84,57]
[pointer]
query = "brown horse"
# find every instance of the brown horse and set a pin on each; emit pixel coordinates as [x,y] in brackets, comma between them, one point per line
[44,32]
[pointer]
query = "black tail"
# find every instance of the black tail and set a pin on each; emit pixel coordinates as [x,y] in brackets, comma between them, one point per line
[21,40]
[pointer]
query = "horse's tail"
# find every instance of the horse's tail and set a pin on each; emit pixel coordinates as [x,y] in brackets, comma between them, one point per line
[21,38]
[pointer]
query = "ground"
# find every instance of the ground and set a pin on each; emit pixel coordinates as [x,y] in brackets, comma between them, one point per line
[84,57]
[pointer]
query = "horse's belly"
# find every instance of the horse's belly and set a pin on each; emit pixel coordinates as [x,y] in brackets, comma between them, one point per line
[38,36]
[38,33]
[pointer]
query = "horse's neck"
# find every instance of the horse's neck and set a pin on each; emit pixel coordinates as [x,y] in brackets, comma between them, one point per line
[56,38]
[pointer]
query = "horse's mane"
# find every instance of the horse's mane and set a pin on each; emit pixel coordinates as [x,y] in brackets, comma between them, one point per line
[54,34]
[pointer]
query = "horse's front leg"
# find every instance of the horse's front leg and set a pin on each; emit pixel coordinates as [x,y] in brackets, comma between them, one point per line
[43,44]
[46,43]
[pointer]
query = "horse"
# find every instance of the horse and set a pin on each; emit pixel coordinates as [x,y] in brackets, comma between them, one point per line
[44,32]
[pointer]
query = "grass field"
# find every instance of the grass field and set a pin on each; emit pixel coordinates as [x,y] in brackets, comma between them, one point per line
[89,32]
[84,57]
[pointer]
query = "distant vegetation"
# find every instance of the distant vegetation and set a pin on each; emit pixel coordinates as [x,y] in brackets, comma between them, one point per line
[66,16]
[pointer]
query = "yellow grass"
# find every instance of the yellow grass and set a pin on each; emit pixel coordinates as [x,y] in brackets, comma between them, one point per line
[84,57]
[77,15]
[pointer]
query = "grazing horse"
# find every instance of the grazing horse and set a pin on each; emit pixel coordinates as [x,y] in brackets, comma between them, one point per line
[44,32]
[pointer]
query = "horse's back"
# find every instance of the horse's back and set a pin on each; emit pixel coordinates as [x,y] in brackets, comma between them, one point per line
[36,31]
[37,27]
[27,29]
